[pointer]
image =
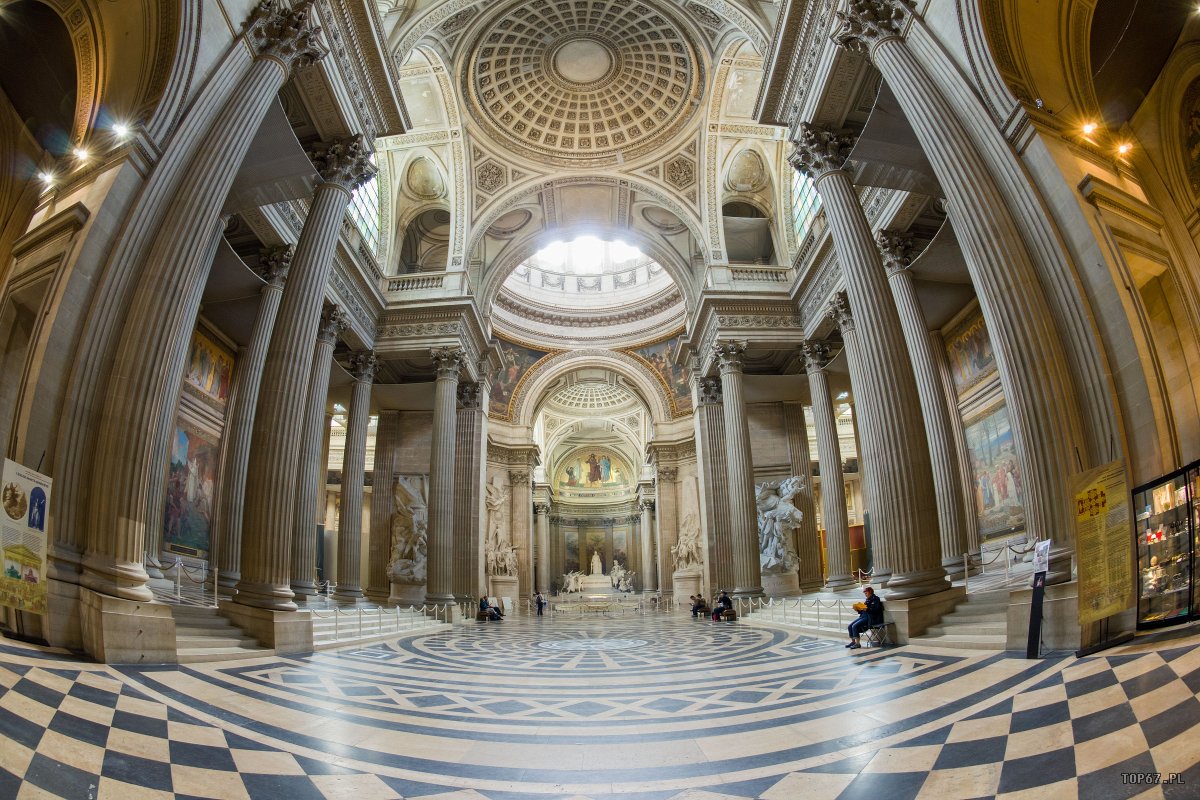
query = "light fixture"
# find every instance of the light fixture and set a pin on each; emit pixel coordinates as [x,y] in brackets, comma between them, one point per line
[46,178]
[80,153]
[1124,148]
[1089,128]
[120,131]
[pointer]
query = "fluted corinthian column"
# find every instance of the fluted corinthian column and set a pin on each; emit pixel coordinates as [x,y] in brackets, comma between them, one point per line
[521,533]
[959,439]
[865,438]
[666,524]
[947,479]
[387,440]
[1030,356]
[904,511]
[713,466]
[807,545]
[132,445]
[440,589]
[743,513]
[649,568]
[354,466]
[313,466]
[243,402]
[271,488]
[542,534]
[829,456]
[470,473]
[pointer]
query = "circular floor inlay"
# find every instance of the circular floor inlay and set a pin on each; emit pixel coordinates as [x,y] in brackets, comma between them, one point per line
[593,644]
[583,60]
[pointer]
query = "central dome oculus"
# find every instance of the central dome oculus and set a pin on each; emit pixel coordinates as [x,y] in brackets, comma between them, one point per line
[579,84]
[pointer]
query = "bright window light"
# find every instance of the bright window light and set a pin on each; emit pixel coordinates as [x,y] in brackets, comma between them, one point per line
[586,255]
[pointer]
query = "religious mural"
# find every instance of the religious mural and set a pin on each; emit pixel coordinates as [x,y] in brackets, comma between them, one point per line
[620,546]
[597,469]
[970,352]
[516,361]
[210,368]
[660,357]
[191,478]
[1191,134]
[998,488]
[571,556]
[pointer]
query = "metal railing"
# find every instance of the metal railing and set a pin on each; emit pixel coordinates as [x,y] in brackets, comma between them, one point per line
[798,610]
[192,586]
[348,623]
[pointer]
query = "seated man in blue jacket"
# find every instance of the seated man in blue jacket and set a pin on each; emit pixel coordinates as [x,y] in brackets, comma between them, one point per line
[870,614]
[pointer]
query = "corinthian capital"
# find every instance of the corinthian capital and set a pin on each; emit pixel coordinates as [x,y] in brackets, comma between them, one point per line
[866,23]
[447,361]
[286,35]
[274,262]
[896,249]
[816,355]
[839,309]
[819,150]
[731,355]
[344,162]
[364,365]
[333,322]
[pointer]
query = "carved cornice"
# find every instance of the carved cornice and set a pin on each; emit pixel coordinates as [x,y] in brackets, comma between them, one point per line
[667,474]
[895,247]
[286,35]
[575,522]
[344,162]
[819,150]
[518,477]
[866,23]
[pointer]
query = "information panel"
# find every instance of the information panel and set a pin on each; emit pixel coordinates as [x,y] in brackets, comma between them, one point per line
[24,499]
[1102,526]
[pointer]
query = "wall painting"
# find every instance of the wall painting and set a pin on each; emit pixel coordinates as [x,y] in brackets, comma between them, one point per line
[997,487]
[191,478]
[571,555]
[516,362]
[209,368]
[660,357]
[1191,134]
[970,352]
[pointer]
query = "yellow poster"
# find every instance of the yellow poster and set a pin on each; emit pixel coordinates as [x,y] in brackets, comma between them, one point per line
[1104,547]
[25,499]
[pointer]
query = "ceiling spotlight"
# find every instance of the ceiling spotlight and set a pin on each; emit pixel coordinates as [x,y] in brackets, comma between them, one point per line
[1089,128]
[121,131]
[1124,148]
[46,177]
[80,153]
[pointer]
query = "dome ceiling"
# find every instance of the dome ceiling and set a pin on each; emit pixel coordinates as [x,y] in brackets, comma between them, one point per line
[580,83]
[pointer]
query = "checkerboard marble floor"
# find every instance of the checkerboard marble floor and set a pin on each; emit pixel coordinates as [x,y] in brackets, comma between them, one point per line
[666,708]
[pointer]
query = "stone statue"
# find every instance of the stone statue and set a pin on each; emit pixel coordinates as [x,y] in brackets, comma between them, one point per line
[778,517]
[409,524]
[597,565]
[572,581]
[616,573]
[499,555]
[686,551]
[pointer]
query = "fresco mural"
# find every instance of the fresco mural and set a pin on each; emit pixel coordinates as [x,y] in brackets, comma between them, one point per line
[970,352]
[571,554]
[998,489]
[595,469]
[1191,134]
[210,368]
[620,546]
[660,357]
[516,361]
[191,478]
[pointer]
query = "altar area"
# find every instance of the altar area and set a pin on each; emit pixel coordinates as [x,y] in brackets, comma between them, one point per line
[597,593]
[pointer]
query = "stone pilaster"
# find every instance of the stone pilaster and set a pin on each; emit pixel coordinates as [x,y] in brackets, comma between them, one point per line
[829,456]
[958,440]
[274,458]
[135,423]
[947,478]
[243,402]
[743,513]
[354,465]
[649,568]
[1030,356]
[470,474]
[807,544]
[666,524]
[521,533]
[314,459]
[713,466]
[896,463]
[440,589]
[383,504]
[542,547]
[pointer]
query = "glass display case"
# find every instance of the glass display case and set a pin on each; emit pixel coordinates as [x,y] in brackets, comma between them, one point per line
[1166,529]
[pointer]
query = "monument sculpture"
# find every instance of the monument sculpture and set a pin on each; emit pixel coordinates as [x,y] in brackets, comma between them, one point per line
[500,557]
[778,519]
[621,578]
[409,524]
[688,558]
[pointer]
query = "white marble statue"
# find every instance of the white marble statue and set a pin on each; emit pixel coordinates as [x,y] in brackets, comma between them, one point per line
[686,552]
[572,581]
[499,555]
[778,518]
[597,564]
[616,573]
[409,523]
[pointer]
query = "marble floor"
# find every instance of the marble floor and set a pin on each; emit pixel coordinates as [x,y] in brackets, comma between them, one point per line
[658,707]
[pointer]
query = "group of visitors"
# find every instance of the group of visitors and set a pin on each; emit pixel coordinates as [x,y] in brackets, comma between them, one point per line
[493,612]
[700,607]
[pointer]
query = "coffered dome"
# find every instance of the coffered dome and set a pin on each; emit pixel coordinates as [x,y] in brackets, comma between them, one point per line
[579,83]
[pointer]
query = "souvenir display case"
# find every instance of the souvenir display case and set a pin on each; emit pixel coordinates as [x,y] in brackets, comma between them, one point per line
[1166,528]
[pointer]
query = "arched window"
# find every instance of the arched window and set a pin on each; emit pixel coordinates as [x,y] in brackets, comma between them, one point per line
[805,205]
[364,212]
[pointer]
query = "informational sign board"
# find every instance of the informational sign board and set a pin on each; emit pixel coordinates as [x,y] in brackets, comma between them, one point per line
[24,503]
[1103,521]
[1041,556]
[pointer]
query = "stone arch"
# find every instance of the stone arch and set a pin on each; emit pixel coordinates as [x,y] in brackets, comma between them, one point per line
[532,390]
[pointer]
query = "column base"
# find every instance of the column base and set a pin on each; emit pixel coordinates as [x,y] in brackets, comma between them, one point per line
[119,631]
[283,631]
[265,595]
[880,578]
[838,583]
[953,568]
[1060,565]
[121,579]
[348,595]
[227,583]
[781,584]
[913,616]
[746,591]
[61,625]
[1060,617]
[903,585]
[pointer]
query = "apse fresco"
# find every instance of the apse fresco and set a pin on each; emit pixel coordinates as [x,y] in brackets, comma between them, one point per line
[970,352]
[210,368]
[594,469]
[516,361]
[191,478]
[660,357]
[998,488]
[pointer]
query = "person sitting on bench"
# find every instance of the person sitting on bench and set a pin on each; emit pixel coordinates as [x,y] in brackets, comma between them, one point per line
[699,607]
[723,604]
[488,609]
[870,614]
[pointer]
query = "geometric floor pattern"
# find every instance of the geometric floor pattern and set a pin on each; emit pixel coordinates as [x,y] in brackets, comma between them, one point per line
[660,707]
